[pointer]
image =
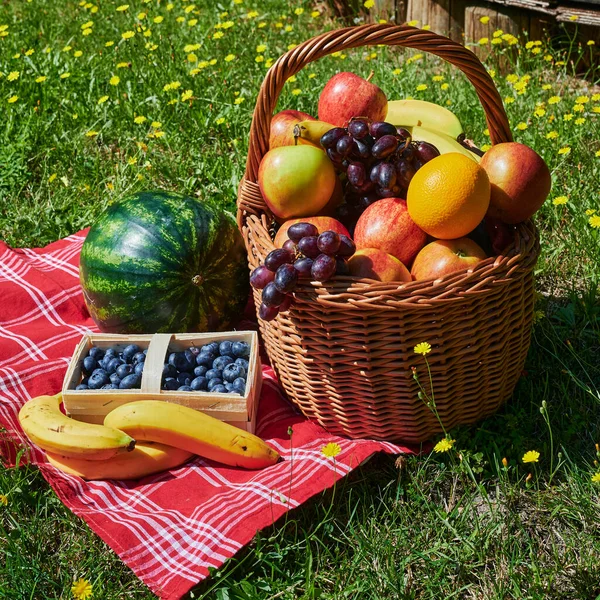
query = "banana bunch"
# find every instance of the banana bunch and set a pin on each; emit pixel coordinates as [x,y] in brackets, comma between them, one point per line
[169,434]
[310,132]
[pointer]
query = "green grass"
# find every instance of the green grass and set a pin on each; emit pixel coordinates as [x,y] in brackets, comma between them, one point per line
[451,525]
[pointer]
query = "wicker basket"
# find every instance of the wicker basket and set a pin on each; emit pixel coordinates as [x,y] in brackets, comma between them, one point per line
[344,351]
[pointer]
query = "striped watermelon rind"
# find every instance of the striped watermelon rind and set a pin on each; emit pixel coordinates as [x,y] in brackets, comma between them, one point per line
[164,262]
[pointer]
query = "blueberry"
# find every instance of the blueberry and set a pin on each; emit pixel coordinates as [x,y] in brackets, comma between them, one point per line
[221,362]
[239,385]
[97,379]
[240,349]
[221,389]
[130,382]
[225,348]
[170,383]
[205,359]
[138,369]
[190,356]
[194,350]
[112,365]
[214,382]
[85,380]
[185,388]
[139,357]
[169,370]
[232,371]
[200,383]
[213,347]
[114,378]
[184,378]
[145,351]
[129,351]
[89,364]
[228,386]
[214,373]
[200,371]
[110,353]
[96,353]
[180,361]
[82,386]
[110,386]
[124,370]
[243,363]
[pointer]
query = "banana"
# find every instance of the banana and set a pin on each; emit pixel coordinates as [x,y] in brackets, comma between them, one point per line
[411,113]
[191,430]
[147,458]
[54,432]
[442,142]
[310,132]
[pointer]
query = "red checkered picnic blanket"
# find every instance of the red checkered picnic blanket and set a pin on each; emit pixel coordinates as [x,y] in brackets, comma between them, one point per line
[168,528]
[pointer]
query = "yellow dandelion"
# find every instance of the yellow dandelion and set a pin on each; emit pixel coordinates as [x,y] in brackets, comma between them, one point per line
[580,121]
[560,200]
[261,25]
[139,120]
[260,48]
[444,445]
[594,221]
[122,8]
[127,35]
[548,58]
[82,589]
[170,6]
[578,108]
[228,25]
[426,27]
[159,134]
[596,98]
[298,11]
[537,50]
[260,58]
[552,135]
[422,348]
[512,78]
[508,100]
[67,49]
[312,75]
[91,133]
[590,211]
[547,86]
[94,9]
[147,33]
[269,63]
[109,44]
[412,23]
[158,19]
[522,126]
[123,65]
[252,14]
[217,35]
[192,58]
[186,95]
[230,57]
[156,124]
[564,150]
[292,46]
[13,75]
[87,31]
[573,17]
[485,147]
[29,52]
[289,28]
[596,476]
[40,79]
[369,4]
[192,22]
[582,100]
[189,9]
[65,75]
[532,456]
[496,41]
[278,25]
[102,99]
[13,99]
[239,100]
[220,121]
[484,20]
[141,16]
[554,100]
[437,78]
[484,41]
[421,87]
[331,450]
[315,14]
[212,61]
[445,86]
[52,178]
[567,117]
[296,91]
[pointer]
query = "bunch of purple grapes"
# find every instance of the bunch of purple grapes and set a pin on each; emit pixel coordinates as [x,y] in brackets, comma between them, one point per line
[379,160]
[306,255]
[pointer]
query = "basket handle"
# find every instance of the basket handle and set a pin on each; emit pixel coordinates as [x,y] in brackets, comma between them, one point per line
[329,42]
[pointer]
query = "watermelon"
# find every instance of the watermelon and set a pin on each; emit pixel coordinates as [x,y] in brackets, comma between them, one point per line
[164,262]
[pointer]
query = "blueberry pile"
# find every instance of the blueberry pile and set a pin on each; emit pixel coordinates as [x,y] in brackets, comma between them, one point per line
[215,367]
[113,370]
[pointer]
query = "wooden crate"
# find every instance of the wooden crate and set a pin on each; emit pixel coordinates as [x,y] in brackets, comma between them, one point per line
[93,405]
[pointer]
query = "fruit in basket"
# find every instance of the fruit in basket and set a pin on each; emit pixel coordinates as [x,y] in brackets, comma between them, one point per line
[347,95]
[449,196]
[146,459]
[372,263]
[444,143]
[388,226]
[442,257]
[500,234]
[191,430]
[161,261]
[282,127]
[322,224]
[296,181]
[336,199]
[46,426]
[410,113]
[112,368]
[310,132]
[520,181]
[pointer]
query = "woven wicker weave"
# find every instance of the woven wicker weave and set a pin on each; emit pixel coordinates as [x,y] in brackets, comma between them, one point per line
[344,351]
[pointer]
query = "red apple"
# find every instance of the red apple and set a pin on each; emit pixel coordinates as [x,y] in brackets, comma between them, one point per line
[442,257]
[500,234]
[296,181]
[321,223]
[337,197]
[520,181]
[347,95]
[371,263]
[387,225]
[282,127]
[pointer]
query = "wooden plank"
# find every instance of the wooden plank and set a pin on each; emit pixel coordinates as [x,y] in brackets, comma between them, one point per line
[457,20]
[439,16]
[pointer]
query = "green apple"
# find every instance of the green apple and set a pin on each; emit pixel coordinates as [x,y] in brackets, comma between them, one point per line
[296,181]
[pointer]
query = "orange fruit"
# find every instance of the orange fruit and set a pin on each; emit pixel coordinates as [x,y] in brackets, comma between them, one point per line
[448,196]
